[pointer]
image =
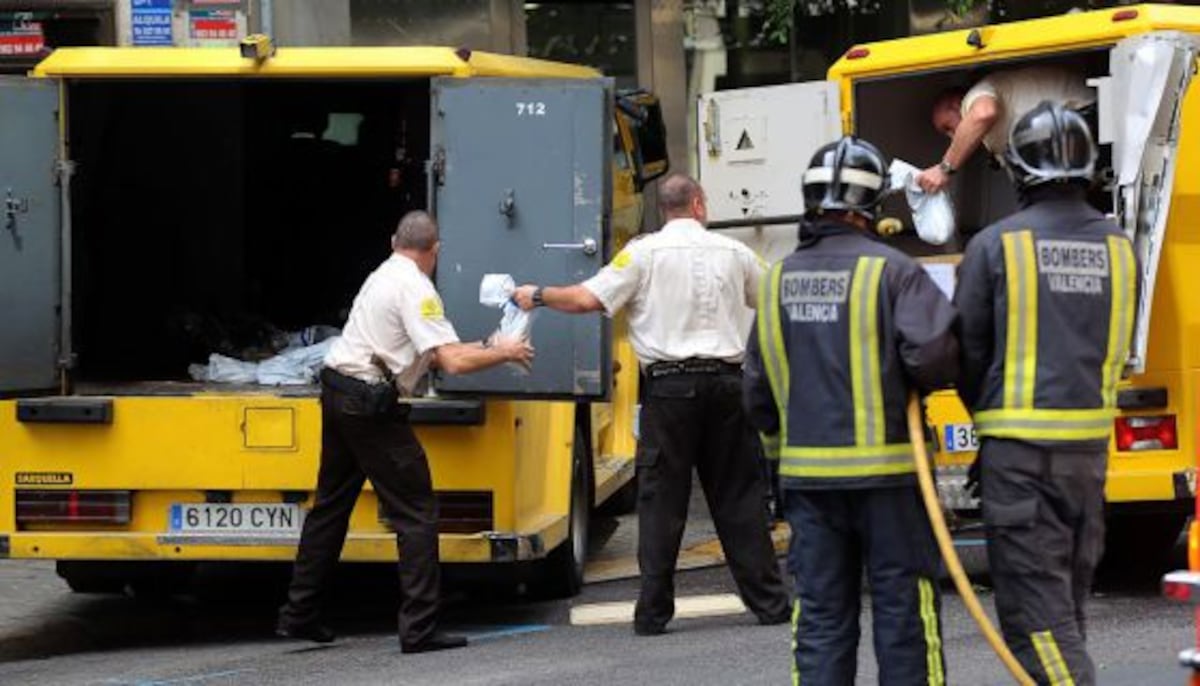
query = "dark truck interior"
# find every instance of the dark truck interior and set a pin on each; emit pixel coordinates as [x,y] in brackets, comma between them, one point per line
[894,113]
[210,215]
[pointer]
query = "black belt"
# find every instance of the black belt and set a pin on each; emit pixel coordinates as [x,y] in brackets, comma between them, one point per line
[693,365]
[342,382]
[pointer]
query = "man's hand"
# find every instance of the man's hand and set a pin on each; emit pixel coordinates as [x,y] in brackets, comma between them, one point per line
[523,297]
[512,349]
[933,179]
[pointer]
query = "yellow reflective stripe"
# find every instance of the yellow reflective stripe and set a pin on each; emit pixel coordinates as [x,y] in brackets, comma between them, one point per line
[795,632]
[1020,350]
[770,445]
[1058,425]
[1051,659]
[933,635]
[1120,319]
[837,452]
[817,470]
[865,383]
[770,344]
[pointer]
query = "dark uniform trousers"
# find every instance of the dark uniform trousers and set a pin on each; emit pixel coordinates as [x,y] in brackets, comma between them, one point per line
[832,532]
[696,420]
[355,447]
[1044,513]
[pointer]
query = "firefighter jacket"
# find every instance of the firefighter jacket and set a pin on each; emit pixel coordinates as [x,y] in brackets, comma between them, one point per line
[845,327]
[1047,298]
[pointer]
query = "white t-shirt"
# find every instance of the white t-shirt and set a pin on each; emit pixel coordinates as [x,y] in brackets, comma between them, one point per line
[1020,90]
[688,291]
[398,317]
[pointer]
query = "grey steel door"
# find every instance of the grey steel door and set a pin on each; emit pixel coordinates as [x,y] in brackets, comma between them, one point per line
[522,186]
[29,235]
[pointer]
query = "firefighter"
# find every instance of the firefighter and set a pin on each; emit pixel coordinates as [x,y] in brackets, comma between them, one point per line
[1047,299]
[686,290]
[846,328]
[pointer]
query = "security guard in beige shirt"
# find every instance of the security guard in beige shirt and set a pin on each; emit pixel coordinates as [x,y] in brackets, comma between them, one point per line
[396,330]
[687,291]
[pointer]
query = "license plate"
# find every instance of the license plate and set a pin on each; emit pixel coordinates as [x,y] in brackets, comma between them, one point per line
[960,438]
[254,518]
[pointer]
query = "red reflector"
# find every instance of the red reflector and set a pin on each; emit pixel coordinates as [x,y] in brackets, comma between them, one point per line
[1124,15]
[1146,433]
[1177,591]
[72,507]
[857,53]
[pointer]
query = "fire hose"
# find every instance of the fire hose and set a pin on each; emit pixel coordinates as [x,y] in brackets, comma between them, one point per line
[933,507]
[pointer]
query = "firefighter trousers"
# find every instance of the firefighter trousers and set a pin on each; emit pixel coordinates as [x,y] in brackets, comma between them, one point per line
[1044,514]
[835,533]
[354,448]
[696,421]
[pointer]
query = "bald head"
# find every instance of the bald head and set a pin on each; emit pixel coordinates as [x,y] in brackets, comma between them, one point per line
[681,197]
[417,232]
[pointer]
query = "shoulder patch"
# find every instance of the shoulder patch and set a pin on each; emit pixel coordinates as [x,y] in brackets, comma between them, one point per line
[622,260]
[431,308]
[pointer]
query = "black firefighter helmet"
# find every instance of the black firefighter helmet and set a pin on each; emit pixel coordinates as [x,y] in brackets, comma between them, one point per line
[1050,143]
[849,175]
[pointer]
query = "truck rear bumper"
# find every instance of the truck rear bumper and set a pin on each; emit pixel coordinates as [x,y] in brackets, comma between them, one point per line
[485,547]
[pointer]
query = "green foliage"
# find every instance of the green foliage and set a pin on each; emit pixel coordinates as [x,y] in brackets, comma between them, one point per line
[780,15]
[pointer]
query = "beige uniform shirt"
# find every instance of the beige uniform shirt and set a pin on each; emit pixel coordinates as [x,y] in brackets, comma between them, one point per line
[688,292]
[397,316]
[1020,90]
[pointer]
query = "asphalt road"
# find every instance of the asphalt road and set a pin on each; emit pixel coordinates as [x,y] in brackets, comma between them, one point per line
[222,636]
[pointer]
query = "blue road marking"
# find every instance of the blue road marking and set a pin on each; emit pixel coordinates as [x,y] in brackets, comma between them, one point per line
[197,678]
[489,633]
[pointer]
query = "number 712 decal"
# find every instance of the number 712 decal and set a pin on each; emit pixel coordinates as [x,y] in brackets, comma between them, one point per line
[531,109]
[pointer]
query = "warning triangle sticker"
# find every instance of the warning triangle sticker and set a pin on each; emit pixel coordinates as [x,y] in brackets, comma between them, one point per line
[744,143]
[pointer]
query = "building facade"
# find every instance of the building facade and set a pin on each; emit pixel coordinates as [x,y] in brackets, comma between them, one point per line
[676,48]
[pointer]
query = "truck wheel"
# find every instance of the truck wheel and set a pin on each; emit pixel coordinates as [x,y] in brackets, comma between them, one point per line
[91,577]
[1138,546]
[562,570]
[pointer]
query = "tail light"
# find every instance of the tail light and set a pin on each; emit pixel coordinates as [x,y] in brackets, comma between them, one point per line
[72,507]
[1146,433]
[1181,586]
[1124,15]
[857,53]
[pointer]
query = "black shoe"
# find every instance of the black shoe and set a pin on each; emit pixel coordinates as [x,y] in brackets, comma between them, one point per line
[649,629]
[317,633]
[437,641]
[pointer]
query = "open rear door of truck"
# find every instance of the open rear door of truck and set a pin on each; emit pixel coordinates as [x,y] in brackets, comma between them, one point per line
[1150,74]
[754,145]
[30,240]
[521,185]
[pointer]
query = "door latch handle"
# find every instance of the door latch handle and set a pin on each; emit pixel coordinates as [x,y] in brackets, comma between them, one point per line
[508,205]
[12,207]
[588,246]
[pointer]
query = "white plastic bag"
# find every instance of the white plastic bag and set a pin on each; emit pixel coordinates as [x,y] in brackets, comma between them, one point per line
[496,290]
[933,214]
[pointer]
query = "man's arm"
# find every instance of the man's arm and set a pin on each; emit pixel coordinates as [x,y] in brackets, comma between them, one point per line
[925,324]
[607,291]
[761,409]
[970,132]
[464,358]
[572,299]
[976,302]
